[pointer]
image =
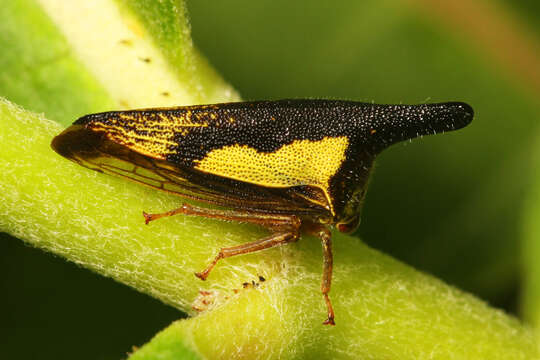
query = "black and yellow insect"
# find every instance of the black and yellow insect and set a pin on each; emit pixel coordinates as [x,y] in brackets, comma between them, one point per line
[291,166]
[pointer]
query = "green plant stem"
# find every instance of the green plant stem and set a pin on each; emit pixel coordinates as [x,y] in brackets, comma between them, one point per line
[384,309]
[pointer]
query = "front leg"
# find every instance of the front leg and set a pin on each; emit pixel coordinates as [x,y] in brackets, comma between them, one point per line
[328,260]
[325,235]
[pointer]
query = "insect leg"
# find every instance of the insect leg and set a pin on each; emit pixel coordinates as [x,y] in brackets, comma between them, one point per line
[328,259]
[326,238]
[285,229]
[272,221]
[276,239]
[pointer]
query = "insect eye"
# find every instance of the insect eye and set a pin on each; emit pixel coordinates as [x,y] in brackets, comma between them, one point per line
[350,226]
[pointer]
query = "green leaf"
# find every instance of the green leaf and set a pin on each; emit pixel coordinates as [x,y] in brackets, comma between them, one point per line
[68,59]
[39,71]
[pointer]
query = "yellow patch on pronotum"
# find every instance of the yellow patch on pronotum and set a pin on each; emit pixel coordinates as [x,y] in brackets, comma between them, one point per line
[303,162]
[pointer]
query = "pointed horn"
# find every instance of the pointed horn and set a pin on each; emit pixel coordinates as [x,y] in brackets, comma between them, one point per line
[389,124]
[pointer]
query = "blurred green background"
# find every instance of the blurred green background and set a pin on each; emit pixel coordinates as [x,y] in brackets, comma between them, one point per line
[450,205]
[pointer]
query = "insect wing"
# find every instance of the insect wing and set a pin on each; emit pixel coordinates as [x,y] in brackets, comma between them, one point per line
[99,151]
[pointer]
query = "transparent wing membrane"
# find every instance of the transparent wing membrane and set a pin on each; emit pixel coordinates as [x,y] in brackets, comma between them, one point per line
[162,176]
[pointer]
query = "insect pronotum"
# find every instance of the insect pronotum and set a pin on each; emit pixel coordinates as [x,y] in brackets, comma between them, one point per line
[291,166]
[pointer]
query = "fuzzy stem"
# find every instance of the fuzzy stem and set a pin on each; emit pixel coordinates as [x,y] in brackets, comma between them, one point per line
[384,309]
